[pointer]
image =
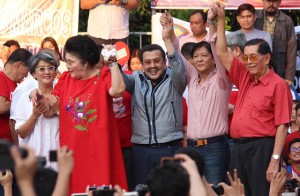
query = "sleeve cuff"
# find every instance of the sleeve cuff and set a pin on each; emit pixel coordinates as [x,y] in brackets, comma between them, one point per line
[173,57]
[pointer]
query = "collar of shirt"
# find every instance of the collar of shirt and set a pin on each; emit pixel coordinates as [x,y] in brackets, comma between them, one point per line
[265,79]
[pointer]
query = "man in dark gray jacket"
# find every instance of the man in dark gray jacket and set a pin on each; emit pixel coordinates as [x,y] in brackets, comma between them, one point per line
[281,28]
[156,107]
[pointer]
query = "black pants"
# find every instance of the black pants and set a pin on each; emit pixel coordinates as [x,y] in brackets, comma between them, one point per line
[251,160]
[100,41]
[127,156]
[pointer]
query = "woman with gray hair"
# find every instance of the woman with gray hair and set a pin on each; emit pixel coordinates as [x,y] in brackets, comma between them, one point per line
[33,126]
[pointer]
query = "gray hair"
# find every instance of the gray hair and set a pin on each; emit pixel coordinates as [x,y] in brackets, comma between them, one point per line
[46,55]
[236,39]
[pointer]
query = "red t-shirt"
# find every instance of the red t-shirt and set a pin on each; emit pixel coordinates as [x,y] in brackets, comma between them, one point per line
[260,106]
[232,100]
[184,112]
[6,89]
[122,109]
[88,127]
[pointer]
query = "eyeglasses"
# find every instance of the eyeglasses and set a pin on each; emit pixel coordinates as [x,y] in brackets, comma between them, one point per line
[294,149]
[252,57]
[70,62]
[43,69]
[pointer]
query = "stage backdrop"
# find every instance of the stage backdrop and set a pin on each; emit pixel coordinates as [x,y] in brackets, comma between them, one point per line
[230,4]
[30,21]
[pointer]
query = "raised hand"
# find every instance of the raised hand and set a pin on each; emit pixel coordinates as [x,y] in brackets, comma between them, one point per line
[6,181]
[212,13]
[54,103]
[38,109]
[277,183]
[167,23]
[24,167]
[219,9]
[65,160]
[236,188]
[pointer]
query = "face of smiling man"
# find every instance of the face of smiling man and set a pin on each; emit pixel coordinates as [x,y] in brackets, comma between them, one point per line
[154,65]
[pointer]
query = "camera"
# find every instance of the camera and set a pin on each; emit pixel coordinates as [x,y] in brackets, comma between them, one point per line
[104,187]
[52,155]
[291,184]
[170,160]
[6,160]
[219,190]
[104,192]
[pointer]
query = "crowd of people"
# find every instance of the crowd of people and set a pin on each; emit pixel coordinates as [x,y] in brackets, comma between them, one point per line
[238,129]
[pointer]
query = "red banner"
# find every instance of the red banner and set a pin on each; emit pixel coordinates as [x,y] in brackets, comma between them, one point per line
[230,4]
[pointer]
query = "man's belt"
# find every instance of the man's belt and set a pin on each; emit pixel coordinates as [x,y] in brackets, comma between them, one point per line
[158,145]
[206,141]
[244,140]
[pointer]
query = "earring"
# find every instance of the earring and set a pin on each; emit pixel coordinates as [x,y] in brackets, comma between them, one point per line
[84,67]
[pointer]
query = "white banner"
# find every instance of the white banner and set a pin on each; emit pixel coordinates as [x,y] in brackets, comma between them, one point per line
[30,21]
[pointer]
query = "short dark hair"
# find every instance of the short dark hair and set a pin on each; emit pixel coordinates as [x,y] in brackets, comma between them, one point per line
[20,54]
[12,42]
[195,155]
[186,49]
[169,180]
[44,181]
[202,13]
[263,46]
[201,44]
[292,142]
[84,48]
[152,47]
[245,6]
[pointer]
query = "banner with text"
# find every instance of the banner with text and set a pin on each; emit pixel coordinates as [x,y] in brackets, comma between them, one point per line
[230,4]
[30,21]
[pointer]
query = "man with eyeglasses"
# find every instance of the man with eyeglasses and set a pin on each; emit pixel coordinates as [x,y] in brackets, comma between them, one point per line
[15,69]
[294,155]
[281,28]
[262,112]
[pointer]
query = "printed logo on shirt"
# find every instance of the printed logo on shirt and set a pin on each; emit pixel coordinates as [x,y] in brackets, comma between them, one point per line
[118,107]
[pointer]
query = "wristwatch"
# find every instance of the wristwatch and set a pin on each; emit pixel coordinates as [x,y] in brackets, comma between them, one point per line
[211,22]
[123,2]
[275,156]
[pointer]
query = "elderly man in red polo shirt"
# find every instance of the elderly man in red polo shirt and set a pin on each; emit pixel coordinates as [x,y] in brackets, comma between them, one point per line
[262,111]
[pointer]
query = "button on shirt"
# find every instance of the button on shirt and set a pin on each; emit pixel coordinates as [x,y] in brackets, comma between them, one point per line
[261,106]
[208,103]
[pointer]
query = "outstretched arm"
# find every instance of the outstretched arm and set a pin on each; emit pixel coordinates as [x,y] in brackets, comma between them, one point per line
[221,47]
[65,162]
[178,70]
[24,170]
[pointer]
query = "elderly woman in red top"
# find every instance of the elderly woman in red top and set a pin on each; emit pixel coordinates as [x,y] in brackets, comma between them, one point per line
[87,123]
